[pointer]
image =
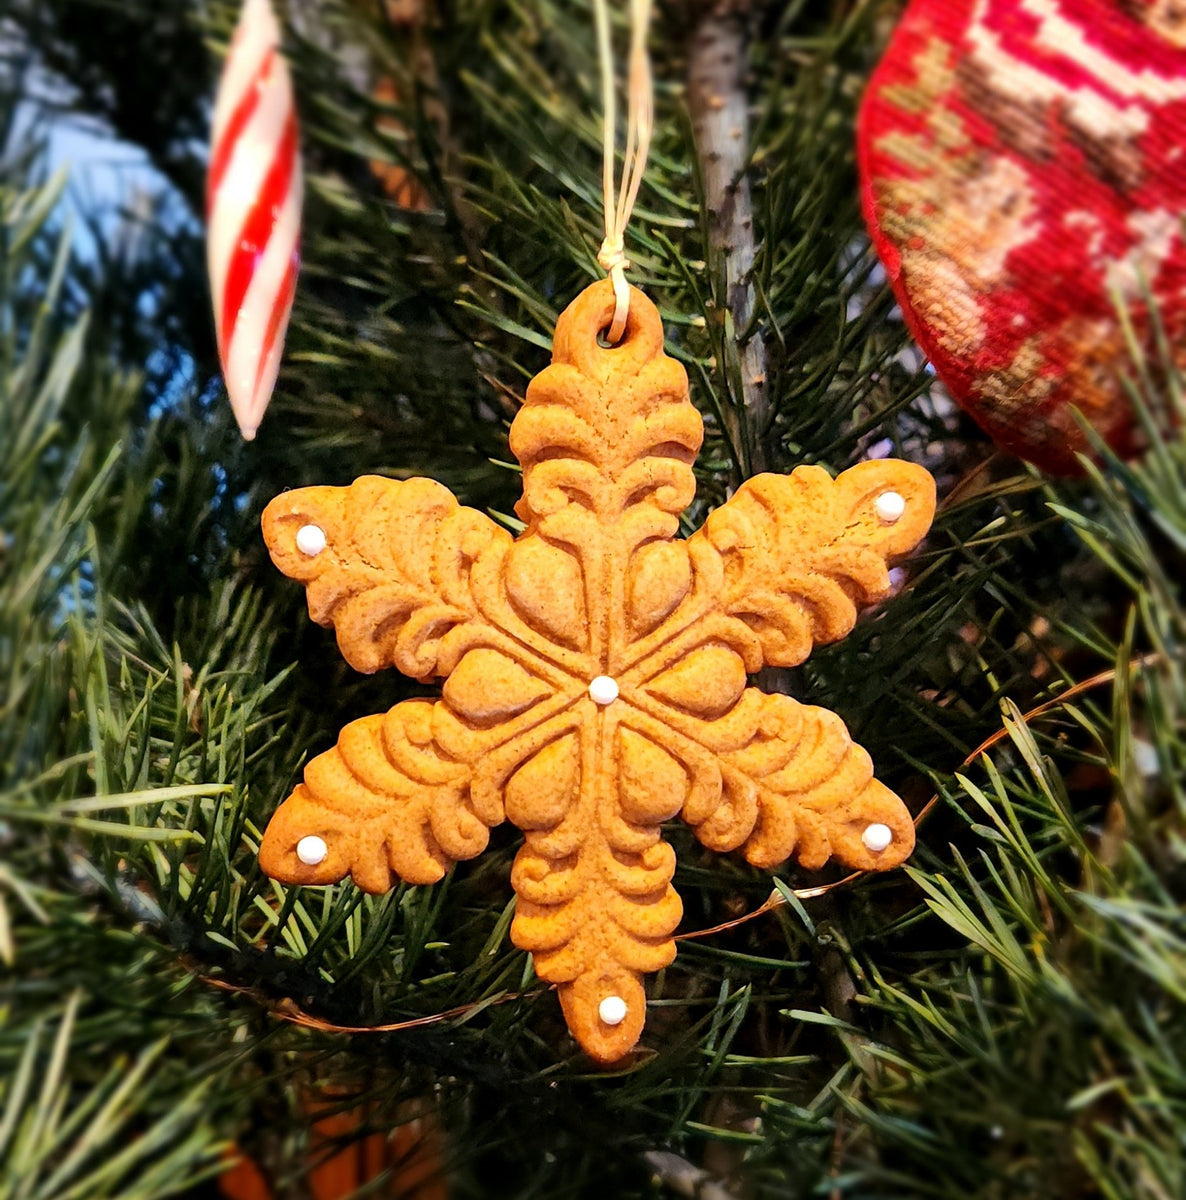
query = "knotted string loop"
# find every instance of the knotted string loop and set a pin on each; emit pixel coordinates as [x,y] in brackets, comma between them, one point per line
[640,120]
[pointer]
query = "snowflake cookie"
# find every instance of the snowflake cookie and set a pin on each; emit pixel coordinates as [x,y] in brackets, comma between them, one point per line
[595,669]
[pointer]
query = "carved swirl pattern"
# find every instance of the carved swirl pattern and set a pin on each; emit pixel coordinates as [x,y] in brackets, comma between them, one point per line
[595,586]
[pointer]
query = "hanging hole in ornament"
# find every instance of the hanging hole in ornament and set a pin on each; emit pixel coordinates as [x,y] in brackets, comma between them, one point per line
[604,343]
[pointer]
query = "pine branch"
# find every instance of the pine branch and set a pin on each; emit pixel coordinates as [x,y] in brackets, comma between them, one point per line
[57,1143]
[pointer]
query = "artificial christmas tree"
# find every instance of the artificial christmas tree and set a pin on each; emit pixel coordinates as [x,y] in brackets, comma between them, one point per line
[1002,1017]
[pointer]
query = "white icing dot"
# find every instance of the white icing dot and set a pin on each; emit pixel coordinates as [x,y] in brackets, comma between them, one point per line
[310,539]
[603,690]
[312,850]
[877,837]
[612,1010]
[889,507]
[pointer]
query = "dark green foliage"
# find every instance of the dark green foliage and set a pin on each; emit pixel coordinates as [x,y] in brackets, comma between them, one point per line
[1003,1019]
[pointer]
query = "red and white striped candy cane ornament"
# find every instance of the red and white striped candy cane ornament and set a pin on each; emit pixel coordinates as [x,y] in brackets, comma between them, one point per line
[254,191]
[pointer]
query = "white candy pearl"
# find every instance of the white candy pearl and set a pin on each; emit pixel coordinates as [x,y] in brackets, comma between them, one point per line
[312,850]
[612,1010]
[603,690]
[310,540]
[877,837]
[889,507]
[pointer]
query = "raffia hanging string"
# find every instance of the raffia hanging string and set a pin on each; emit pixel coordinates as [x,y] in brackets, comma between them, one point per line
[640,119]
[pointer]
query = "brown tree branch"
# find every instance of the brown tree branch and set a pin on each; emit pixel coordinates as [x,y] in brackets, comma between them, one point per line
[720,125]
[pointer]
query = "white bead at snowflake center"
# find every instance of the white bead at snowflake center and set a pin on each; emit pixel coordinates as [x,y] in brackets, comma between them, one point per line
[889,507]
[612,1010]
[312,850]
[603,690]
[877,837]
[310,540]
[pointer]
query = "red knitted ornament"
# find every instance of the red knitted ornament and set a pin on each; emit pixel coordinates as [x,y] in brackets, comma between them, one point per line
[1023,170]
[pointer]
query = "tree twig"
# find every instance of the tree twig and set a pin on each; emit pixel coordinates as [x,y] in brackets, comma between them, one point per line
[720,125]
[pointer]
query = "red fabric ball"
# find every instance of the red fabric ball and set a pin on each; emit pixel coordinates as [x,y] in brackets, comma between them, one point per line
[1023,173]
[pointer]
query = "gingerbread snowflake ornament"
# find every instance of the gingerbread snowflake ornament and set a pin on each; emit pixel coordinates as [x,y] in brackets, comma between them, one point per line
[594,669]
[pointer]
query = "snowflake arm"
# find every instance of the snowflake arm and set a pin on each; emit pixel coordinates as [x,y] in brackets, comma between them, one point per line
[802,553]
[385,804]
[387,564]
[813,794]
